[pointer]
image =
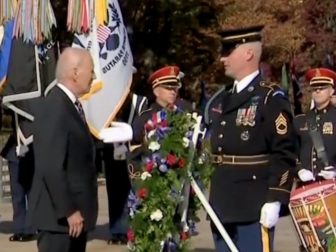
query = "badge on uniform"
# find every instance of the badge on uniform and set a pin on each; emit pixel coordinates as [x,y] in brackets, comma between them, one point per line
[217,109]
[281,124]
[246,116]
[327,128]
[245,135]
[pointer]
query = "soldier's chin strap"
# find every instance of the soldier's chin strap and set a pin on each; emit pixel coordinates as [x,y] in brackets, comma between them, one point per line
[316,137]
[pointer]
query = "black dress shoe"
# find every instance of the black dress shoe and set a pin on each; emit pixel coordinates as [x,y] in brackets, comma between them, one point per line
[22,237]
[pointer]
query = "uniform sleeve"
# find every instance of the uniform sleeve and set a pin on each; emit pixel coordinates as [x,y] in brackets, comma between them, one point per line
[280,137]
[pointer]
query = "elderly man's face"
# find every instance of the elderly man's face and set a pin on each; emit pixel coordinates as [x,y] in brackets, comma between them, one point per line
[85,75]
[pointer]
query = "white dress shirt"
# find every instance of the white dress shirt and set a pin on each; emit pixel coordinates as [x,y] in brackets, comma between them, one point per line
[243,83]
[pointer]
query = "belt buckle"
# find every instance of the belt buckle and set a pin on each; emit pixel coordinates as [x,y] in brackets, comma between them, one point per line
[218,159]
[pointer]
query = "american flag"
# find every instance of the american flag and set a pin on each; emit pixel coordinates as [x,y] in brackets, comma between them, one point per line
[103,32]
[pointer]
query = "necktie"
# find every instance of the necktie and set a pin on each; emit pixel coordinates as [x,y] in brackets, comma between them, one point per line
[80,110]
[234,89]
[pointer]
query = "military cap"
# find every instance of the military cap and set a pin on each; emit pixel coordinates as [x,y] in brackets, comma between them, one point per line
[232,38]
[320,77]
[168,76]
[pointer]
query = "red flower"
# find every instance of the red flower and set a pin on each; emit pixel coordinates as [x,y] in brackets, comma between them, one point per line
[130,235]
[181,163]
[143,193]
[150,166]
[184,236]
[171,159]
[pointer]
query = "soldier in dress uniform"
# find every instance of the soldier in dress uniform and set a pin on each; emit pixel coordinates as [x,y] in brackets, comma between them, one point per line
[165,84]
[312,166]
[253,148]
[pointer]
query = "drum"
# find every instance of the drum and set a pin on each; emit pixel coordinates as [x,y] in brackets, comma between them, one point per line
[313,209]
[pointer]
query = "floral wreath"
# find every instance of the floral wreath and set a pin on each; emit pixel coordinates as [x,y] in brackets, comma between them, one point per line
[157,192]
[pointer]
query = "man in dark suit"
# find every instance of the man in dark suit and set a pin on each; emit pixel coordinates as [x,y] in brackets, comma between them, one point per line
[253,147]
[63,199]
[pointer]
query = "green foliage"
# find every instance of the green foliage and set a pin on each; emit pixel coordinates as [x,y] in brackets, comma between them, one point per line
[155,220]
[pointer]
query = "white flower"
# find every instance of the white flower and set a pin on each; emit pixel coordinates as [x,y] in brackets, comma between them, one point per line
[145,175]
[154,146]
[195,116]
[186,142]
[156,215]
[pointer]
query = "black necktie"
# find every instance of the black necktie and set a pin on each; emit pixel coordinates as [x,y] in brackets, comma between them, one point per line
[234,89]
[80,110]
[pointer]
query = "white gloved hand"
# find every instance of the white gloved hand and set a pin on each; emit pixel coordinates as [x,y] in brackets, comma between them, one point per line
[120,151]
[118,132]
[328,172]
[306,175]
[270,214]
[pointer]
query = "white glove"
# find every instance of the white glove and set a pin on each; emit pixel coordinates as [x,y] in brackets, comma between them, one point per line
[118,132]
[270,214]
[120,151]
[328,172]
[306,175]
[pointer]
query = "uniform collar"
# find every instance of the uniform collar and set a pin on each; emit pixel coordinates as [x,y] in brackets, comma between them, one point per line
[324,110]
[243,83]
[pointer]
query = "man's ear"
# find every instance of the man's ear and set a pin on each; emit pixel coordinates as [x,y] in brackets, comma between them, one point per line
[155,92]
[249,54]
[332,91]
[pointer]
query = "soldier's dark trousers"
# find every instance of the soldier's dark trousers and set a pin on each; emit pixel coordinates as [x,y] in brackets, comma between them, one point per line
[19,195]
[248,237]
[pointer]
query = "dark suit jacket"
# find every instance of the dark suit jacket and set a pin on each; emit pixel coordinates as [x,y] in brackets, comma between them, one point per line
[65,175]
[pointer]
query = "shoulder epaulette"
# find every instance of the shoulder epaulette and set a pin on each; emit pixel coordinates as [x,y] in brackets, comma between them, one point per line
[273,89]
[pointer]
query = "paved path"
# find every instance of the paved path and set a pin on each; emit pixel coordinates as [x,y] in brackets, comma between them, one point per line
[286,239]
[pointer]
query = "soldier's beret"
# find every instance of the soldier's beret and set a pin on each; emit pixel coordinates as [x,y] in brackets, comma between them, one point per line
[168,76]
[232,38]
[319,77]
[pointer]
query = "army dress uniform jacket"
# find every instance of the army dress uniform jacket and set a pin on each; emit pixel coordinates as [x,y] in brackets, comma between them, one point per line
[326,123]
[252,141]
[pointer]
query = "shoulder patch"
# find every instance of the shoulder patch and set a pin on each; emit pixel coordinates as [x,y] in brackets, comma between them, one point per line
[278,92]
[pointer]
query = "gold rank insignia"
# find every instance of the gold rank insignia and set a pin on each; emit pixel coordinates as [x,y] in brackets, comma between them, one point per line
[327,128]
[281,124]
[284,178]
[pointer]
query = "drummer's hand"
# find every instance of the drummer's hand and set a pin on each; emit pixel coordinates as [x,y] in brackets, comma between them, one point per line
[328,172]
[270,214]
[305,175]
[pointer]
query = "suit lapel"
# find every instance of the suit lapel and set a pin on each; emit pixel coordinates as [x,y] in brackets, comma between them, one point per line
[236,100]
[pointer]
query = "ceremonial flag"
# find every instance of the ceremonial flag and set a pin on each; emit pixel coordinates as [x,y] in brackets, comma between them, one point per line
[297,94]
[109,46]
[284,78]
[30,71]
[5,47]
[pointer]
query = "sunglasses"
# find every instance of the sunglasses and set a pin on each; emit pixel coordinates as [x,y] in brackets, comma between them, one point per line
[171,87]
[228,49]
[315,89]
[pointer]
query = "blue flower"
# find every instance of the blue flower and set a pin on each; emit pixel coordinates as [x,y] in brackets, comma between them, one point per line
[163,168]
